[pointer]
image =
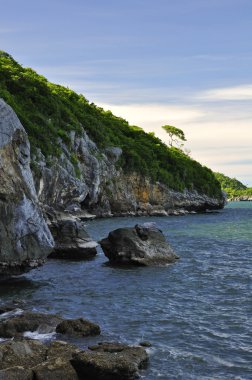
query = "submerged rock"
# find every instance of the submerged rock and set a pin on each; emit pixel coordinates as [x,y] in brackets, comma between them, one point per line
[140,245]
[25,240]
[17,325]
[79,327]
[110,361]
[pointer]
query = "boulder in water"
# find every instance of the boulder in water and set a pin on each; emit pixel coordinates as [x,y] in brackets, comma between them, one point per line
[72,242]
[79,327]
[140,245]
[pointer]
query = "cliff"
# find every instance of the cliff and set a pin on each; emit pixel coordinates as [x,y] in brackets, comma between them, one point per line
[25,239]
[85,162]
[88,160]
[104,189]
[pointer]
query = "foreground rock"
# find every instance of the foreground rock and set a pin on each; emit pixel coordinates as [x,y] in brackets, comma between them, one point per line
[71,240]
[110,361]
[30,359]
[141,245]
[25,240]
[79,327]
[22,353]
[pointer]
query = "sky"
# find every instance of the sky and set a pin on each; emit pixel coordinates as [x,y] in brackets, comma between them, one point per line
[186,63]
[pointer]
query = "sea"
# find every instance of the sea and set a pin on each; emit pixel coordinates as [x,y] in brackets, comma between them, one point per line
[195,313]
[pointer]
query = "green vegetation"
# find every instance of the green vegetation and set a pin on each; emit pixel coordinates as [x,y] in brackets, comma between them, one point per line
[233,187]
[49,112]
[176,135]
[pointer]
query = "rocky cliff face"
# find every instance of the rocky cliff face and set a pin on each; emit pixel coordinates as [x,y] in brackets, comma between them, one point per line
[25,240]
[94,183]
[82,181]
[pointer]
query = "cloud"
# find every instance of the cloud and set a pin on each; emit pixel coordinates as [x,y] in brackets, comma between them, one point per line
[243,92]
[153,115]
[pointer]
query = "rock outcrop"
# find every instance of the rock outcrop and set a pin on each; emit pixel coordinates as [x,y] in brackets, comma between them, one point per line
[141,245]
[25,240]
[26,359]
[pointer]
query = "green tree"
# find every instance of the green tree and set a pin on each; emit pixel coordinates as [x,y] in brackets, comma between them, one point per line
[176,135]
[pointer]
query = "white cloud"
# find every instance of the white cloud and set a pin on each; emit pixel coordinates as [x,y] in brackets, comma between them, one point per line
[243,92]
[154,115]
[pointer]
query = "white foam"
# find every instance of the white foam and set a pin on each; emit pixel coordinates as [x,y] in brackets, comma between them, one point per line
[223,362]
[39,336]
[12,313]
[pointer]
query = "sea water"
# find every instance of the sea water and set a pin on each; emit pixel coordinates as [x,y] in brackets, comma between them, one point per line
[196,313]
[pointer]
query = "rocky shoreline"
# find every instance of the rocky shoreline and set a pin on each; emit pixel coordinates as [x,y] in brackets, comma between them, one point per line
[23,358]
[43,211]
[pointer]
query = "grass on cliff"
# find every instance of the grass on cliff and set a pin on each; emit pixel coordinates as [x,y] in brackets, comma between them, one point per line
[49,112]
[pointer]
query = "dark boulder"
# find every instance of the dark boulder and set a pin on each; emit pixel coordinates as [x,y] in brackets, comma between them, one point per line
[140,245]
[80,327]
[110,361]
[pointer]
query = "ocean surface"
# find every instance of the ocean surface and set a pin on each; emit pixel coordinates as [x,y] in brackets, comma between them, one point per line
[197,313]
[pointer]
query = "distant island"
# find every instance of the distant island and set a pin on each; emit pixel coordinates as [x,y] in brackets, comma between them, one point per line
[235,190]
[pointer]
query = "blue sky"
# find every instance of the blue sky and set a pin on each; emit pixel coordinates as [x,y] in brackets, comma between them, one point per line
[187,63]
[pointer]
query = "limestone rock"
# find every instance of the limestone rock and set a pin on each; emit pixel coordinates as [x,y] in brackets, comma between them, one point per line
[25,240]
[71,240]
[140,245]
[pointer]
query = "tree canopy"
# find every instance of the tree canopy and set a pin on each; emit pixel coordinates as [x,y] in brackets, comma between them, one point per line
[176,135]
